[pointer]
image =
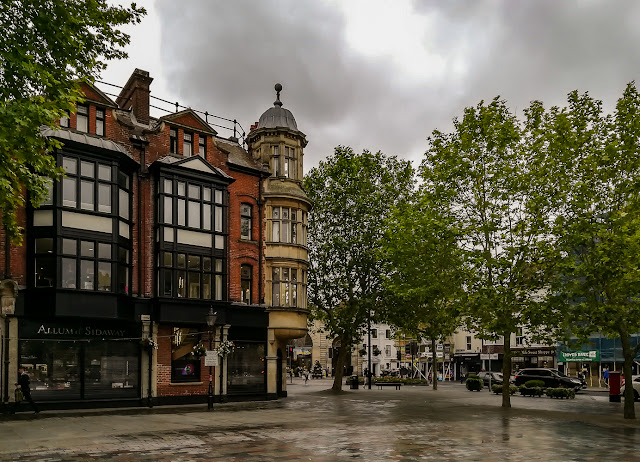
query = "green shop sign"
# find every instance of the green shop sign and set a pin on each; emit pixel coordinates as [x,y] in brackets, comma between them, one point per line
[579,356]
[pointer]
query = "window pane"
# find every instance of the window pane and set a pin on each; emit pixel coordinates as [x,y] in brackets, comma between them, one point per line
[206,264]
[70,165]
[123,180]
[104,276]
[285,231]
[181,188]
[48,200]
[206,216]
[218,196]
[104,172]
[86,249]
[218,218]
[104,198]
[218,287]
[182,261]
[87,169]
[45,271]
[167,258]
[275,231]
[44,245]
[168,209]
[167,186]
[82,119]
[245,228]
[86,275]
[218,242]
[181,283]
[194,285]
[167,283]
[123,279]
[68,273]
[123,204]
[276,294]
[187,147]
[69,192]
[194,214]
[218,265]
[194,191]
[276,213]
[194,262]
[104,251]
[206,194]
[87,201]
[69,247]
[206,286]
[181,213]
[202,145]
[123,256]
[99,127]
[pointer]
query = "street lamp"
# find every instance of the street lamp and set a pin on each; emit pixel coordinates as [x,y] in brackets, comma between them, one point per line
[211,320]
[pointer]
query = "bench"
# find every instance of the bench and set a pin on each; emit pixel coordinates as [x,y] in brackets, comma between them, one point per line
[389,384]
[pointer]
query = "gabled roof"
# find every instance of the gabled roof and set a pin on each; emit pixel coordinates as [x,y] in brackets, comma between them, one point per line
[194,163]
[189,119]
[94,94]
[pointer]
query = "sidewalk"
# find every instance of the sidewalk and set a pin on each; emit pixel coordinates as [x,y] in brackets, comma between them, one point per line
[414,423]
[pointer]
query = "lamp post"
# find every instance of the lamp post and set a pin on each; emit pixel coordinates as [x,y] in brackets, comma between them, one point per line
[211,320]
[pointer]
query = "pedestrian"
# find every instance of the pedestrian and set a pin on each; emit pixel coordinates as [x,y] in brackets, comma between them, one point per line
[306,376]
[24,384]
[605,376]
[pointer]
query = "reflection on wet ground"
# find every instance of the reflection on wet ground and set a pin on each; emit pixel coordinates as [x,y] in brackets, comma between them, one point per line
[370,425]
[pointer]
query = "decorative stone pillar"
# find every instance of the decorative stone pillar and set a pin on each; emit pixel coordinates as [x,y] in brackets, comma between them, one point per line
[9,339]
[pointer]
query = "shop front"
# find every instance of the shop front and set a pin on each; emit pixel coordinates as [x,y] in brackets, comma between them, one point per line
[81,361]
[522,358]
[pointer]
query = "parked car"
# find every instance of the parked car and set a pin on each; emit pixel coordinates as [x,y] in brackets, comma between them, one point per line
[635,382]
[551,378]
[496,377]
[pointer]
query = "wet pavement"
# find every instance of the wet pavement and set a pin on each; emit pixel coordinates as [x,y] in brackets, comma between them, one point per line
[411,424]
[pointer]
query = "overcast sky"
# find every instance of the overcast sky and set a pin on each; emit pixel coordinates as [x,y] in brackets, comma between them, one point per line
[380,75]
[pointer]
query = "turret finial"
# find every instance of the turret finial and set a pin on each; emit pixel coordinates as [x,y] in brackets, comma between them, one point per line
[278,89]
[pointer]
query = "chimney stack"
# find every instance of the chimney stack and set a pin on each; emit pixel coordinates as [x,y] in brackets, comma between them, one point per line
[135,95]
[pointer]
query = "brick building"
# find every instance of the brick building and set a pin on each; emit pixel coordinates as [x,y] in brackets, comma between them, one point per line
[157,223]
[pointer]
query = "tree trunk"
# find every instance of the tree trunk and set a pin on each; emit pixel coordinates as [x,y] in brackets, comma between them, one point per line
[342,356]
[629,356]
[506,370]
[434,362]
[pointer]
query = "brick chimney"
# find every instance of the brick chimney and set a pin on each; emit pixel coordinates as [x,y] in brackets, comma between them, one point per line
[135,95]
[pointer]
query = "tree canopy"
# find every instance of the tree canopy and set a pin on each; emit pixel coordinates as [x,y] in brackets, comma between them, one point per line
[481,171]
[424,272]
[352,194]
[594,159]
[47,48]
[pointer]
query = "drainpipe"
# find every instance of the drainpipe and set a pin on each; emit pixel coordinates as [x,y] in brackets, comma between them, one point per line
[5,346]
[260,256]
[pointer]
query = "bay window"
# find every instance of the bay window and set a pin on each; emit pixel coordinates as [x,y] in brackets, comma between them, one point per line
[288,287]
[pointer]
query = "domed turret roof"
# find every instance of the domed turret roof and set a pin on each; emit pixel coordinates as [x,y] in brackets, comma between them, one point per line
[277,116]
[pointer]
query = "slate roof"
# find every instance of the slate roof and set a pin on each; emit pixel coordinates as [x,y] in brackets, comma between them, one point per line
[85,138]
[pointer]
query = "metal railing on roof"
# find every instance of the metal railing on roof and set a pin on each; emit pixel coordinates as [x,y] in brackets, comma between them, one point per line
[236,128]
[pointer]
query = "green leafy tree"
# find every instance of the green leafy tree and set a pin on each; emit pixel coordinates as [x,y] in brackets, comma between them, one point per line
[481,170]
[595,162]
[424,276]
[352,194]
[47,48]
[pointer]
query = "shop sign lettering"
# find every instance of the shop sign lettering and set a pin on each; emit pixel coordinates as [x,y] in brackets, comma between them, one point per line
[87,331]
[579,356]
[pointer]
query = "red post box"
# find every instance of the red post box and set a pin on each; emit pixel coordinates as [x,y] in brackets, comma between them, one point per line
[614,387]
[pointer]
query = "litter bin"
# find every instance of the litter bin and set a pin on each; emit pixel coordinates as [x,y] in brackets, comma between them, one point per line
[354,382]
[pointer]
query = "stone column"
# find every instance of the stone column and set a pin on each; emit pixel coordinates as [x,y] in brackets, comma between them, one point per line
[272,364]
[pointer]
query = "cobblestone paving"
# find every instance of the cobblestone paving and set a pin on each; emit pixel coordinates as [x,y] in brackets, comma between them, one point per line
[412,424]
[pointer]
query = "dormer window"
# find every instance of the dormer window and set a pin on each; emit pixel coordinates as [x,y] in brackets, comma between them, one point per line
[82,119]
[173,141]
[187,147]
[100,122]
[64,120]
[202,146]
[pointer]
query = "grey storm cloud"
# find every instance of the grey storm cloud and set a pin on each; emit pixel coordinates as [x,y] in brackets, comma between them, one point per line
[225,57]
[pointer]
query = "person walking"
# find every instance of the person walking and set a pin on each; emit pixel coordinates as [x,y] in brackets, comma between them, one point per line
[24,383]
[605,376]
